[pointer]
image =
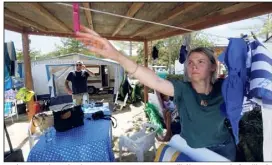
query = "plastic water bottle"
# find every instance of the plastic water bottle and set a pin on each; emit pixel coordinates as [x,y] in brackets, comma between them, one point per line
[74,102]
[85,100]
[48,135]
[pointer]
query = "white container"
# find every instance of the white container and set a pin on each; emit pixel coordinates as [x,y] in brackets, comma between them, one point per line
[85,99]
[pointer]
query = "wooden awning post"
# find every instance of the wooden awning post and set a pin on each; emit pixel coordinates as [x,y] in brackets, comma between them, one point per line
[28,74]
[146,65]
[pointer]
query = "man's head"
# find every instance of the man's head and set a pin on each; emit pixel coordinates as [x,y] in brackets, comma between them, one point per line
[79,65]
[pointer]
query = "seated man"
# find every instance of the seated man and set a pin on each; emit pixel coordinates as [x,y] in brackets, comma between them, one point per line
[171,118]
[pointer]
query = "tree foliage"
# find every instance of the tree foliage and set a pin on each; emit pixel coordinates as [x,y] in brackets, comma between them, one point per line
[169,48]
[67,46]
[34,54]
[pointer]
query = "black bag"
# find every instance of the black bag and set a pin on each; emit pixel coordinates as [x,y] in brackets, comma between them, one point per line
[100,115]
[68,118]
[12,155]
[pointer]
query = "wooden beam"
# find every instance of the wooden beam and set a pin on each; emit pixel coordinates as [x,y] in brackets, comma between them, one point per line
[44,12]
[123,38]
[23,20]
[231,16]
[146,65]
[135,7]
[52,34]
[88,14]
[12,23]
[58,34]
[178,10]
[28,74]
[224,11]
[12,28]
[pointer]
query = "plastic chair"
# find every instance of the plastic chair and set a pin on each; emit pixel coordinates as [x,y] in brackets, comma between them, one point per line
[139,142]
[119,105]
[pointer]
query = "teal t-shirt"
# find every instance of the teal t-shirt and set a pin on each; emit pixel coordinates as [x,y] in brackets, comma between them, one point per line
[202,126]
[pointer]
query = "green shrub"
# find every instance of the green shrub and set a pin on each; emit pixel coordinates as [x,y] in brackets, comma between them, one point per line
[174,77]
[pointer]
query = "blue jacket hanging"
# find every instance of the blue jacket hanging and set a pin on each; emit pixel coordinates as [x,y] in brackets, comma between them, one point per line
[233,88]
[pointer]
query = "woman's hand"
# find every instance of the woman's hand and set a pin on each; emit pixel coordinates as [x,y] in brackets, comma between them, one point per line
[95,43]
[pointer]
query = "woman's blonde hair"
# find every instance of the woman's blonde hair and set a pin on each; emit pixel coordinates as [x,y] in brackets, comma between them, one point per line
[210,54]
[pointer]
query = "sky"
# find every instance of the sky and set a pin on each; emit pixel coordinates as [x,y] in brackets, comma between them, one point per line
[47,44]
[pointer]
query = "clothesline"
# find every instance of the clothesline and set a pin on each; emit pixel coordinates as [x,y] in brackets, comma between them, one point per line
[141,20]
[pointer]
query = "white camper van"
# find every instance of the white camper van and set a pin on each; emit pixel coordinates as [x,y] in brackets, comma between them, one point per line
[53,72]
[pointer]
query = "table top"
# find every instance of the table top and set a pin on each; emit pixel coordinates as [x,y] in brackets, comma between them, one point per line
[90,142]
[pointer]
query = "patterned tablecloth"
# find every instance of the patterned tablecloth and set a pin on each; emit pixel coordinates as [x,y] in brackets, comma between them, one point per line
[88,143]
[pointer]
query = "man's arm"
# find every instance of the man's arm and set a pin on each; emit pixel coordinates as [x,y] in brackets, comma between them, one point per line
[67,87]
[88,71]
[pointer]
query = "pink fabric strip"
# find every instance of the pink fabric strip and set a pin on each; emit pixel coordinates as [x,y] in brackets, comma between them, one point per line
[76,17]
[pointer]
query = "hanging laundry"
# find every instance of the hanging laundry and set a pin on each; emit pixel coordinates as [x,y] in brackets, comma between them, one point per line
[261,72]
[10,57]
[8,83]
[182,54]
[7,60]
[259,63]
[52,87]
[7,78]
[249,66]
[11,51]
[17,83]
[184,48]
[155,53]
[233,88]
[20,70]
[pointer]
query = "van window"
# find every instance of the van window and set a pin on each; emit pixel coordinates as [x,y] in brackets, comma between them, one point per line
[94,69]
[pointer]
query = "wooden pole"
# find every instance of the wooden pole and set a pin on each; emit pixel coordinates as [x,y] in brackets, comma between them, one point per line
[146,65]
[28,74]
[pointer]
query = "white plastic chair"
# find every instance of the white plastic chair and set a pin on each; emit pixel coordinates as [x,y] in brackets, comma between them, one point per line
[139,142]
[119,105]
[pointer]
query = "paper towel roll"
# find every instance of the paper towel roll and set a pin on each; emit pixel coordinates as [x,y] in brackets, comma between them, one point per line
[197,154]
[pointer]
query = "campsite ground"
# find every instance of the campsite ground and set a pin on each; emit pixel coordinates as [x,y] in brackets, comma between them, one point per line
[129,121]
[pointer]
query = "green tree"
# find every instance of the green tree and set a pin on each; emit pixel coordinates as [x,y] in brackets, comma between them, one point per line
[70,45]
[267,27]
[169,48]
[34,55]
[67,46]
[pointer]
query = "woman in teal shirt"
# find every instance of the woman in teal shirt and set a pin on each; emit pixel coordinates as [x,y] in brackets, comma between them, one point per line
[198,100]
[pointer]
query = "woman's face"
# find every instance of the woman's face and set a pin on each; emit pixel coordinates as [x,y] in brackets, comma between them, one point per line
[199,67]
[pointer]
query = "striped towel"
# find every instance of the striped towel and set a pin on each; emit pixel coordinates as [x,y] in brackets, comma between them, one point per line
[260,73]
[165,153]
[259,65]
